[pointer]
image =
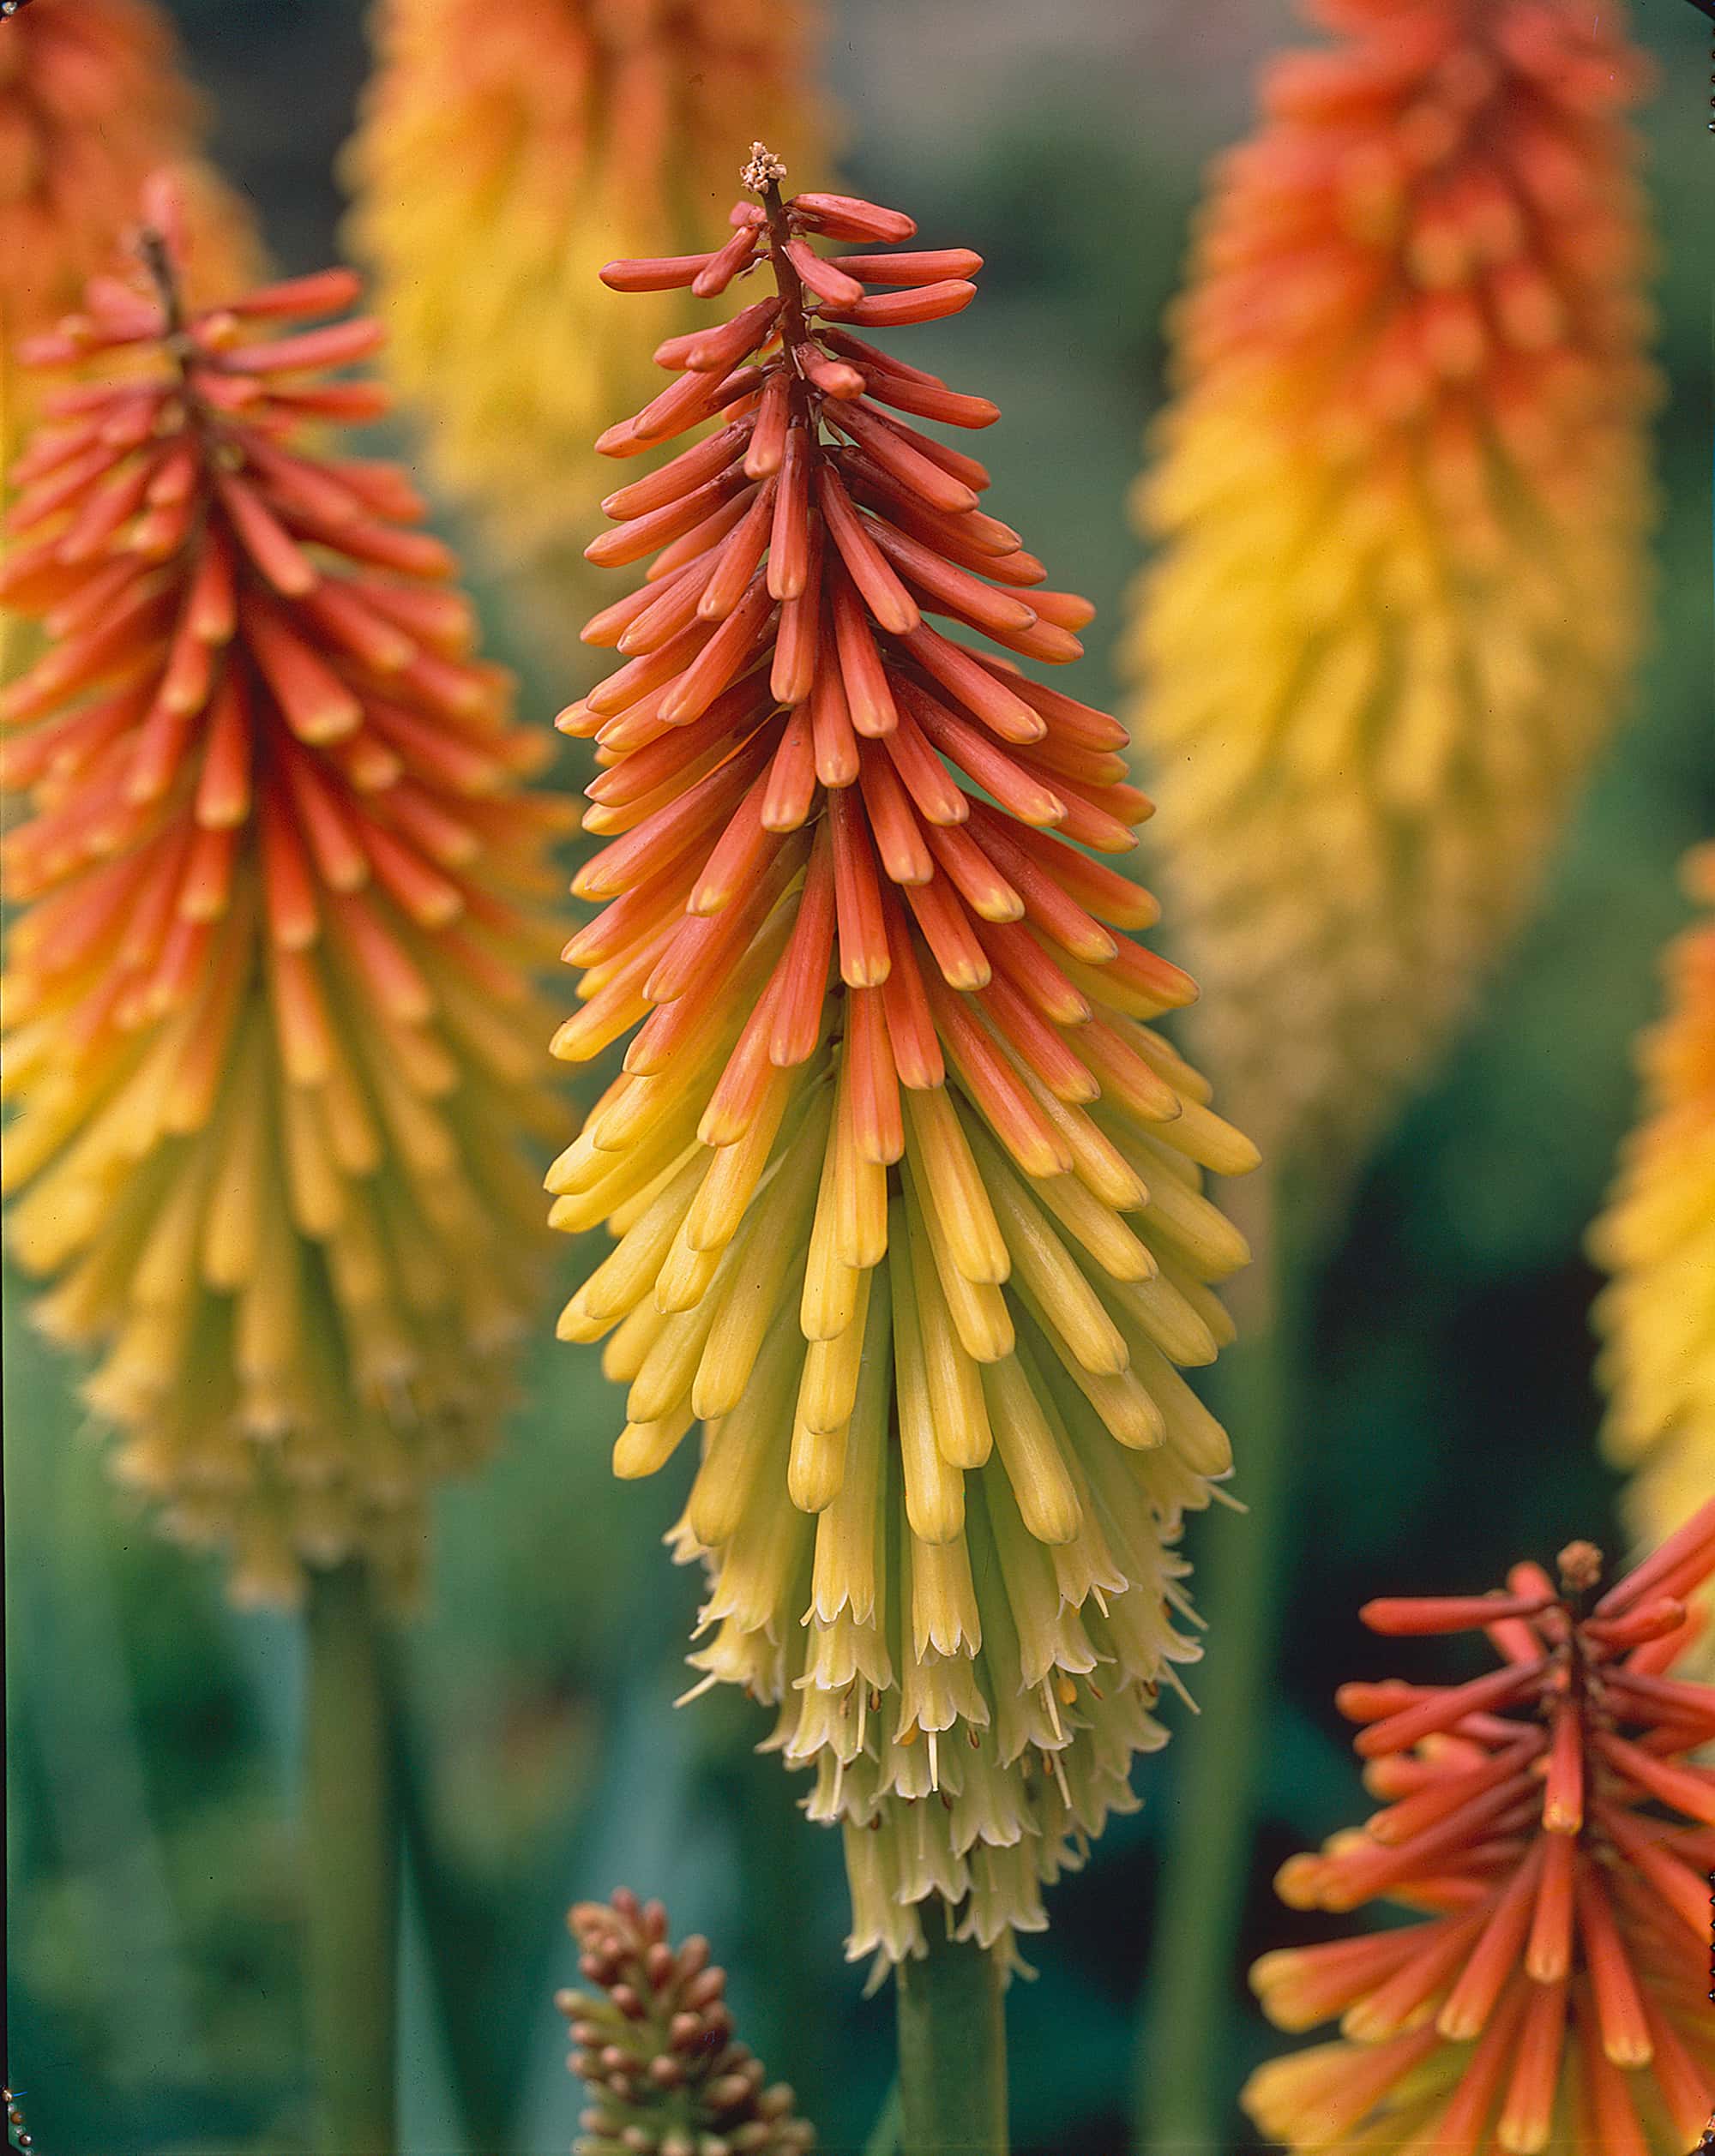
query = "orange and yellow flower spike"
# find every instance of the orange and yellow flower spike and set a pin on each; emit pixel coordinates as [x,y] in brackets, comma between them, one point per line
[267,1021]
[905,1185]
[1547,1826]
[92,102]
[507,147]
[1401,499]
[1658,1241]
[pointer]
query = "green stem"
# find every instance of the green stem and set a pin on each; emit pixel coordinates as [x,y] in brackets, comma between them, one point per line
[884,2134]
[1183,2093]
[953,2050]
[352,1853]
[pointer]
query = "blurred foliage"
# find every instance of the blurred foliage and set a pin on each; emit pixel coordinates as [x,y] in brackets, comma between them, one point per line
[152,1733]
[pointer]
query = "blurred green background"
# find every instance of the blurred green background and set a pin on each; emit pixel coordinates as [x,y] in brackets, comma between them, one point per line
[155,1984]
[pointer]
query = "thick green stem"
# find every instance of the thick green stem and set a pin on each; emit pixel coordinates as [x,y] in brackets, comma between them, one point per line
[461,1932]
[952,2051]
[351,1860]
[1185,2092]
[884,2134]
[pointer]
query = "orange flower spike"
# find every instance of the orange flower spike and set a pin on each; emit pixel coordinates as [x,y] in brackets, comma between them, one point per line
[1399,502]
[1568,1820]
[868,1173]
[92,101]
[267,1016]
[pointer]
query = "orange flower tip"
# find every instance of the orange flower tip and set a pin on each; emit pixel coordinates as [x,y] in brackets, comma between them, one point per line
[1298,1882]
[1548,1965]
[1460,2024]
[147,788]
[720,1128]
[334,718]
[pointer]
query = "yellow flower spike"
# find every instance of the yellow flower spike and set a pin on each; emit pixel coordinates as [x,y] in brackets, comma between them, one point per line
[908,1196]
[1656,1240]
[281,894]
[504,146]
[1399,503]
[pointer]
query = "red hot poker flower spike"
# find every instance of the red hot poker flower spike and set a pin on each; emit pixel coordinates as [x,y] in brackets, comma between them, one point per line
[267,1012]
[906,1190]
[1552,1828]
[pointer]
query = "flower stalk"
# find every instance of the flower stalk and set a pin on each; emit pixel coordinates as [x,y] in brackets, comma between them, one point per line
[351,1852]
[1180,2096]
[952,2051]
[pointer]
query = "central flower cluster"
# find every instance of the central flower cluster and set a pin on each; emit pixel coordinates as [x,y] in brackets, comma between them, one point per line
[906,1189]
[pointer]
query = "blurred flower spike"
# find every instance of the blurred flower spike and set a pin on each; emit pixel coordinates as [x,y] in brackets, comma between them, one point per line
[92,102]
[1658,1241]
[1547,1823]
[655,2049]
[906,1189]
[267,1020]
[507,147]
[1401,502]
